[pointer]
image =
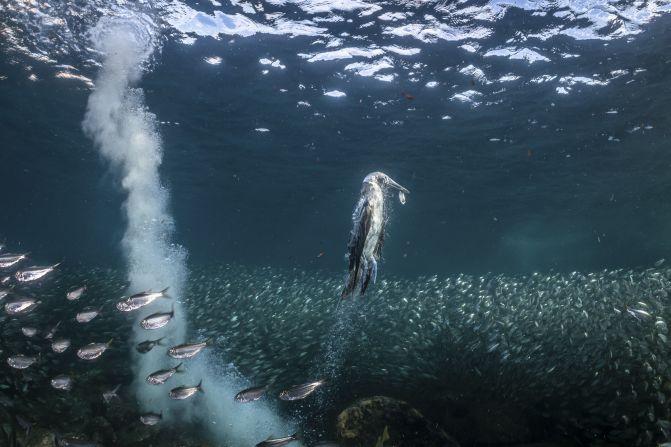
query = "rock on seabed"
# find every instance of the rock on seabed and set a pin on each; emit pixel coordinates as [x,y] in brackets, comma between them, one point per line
[363,422]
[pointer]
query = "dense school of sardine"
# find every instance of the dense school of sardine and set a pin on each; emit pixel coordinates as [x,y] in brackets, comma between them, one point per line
[587,351]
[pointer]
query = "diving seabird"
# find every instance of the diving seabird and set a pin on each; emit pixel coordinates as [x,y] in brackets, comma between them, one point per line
[367,238]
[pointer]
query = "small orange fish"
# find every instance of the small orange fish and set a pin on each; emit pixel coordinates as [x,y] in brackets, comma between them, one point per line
[407,96]
[321,253]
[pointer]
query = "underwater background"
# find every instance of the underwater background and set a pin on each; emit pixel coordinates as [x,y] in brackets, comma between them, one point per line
[218,149]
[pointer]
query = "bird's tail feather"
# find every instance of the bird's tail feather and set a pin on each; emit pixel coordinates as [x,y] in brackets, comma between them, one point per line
[370,274]
[353,277]
[350,285]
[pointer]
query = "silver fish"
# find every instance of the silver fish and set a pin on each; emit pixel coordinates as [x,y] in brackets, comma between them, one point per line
[21,361]
[401,197]
[147,345]
[188,350]
[638,313]
[21,306]
[93,350]
[157,320]
[161,376]
[139,300]
[52,332]
[62,382]
[29,331]
[5,279]
[151,418]
[76,293]
[24,424]
[184,392]
[75,442]
[87,315]
[278,442]
[4,293]
[111,394]
[251,394]
[9,259]
[60,346]
[34,273]
[300,391]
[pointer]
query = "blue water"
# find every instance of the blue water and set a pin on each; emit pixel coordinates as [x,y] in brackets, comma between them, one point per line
[568,186]
[533,136]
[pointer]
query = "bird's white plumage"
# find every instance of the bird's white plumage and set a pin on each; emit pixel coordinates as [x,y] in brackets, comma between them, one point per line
[367,235]
[375,199]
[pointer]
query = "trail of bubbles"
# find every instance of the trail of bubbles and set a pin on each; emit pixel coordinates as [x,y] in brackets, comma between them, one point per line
[333,357]
[126,134]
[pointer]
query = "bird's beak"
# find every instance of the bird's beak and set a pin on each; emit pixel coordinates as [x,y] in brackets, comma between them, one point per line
[393,184]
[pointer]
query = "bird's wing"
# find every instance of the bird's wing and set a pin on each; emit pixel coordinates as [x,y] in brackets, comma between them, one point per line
[362,222]
[361,228]
[380,242]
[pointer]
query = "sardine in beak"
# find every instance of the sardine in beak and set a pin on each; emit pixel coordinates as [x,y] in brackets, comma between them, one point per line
[390,182]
